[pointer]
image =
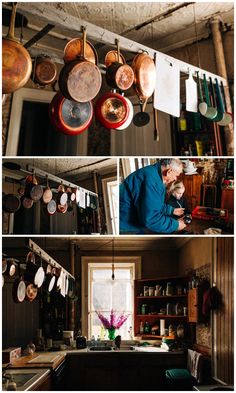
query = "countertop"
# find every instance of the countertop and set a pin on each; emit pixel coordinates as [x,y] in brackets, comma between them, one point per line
[22,362]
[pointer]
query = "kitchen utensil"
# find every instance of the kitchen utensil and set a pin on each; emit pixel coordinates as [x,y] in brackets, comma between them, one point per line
[27,203]
[11,267]
[119,75]
[44,70]
[32,189]
[228,117]
[220,114]
[19,288]
[51,207]
[130,117]
[16,61]
[144,75]
[202,106]
[112,110]
[11,203]
[74,50]
[61,195]
[47,193]
[50,280]
[80,80]
[141,118]
[70,117]
[156,128]
[167,86]
[191,94]
[112,57]
[31,292]
[62,208]
[34,274]
[211,112]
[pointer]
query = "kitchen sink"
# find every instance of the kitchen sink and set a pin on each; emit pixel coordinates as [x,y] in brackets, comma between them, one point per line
[25,379]
[101,348]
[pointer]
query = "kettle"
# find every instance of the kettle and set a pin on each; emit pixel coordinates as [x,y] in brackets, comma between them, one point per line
[81,342]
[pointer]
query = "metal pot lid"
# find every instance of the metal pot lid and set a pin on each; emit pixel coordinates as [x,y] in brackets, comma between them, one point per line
[21,291]
[51,283]
[39,277]
[76,114]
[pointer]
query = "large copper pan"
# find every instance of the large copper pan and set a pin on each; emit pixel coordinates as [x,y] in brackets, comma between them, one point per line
[80,80]
[16,61]
[74,49]
[144,75]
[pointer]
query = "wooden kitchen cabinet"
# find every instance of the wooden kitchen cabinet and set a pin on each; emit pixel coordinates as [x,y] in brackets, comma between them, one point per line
[193,189]
[156,303]
[227,199]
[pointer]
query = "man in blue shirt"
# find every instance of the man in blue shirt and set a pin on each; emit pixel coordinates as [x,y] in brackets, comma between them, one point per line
[142,200]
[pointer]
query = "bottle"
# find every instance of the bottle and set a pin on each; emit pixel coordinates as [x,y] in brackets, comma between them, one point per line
[141,330]
[182,122]
[93,341]
[98,341]
[146,327]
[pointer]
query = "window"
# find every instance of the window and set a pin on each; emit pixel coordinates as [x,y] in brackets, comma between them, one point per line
[101,293]
[110,192]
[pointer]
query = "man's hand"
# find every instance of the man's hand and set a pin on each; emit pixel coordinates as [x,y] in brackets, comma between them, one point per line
[179,211]
[182,225]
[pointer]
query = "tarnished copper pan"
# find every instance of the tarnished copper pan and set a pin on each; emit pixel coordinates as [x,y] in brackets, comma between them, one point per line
[80,80]
[144,75]
[112,57]
[74,48]
[16,60]
[44,71]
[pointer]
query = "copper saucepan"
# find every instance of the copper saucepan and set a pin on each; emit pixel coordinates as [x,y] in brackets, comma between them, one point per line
[112,110]
[119,75]
[32,189]
[44,70]
[16,61]
[47,194]
[80,80]
[144,75]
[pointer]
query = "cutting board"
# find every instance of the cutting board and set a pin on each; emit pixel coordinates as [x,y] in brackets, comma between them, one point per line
[191,94]
[47,358]
[167,89]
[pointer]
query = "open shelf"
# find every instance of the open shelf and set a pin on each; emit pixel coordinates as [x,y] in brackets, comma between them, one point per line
[161,316]
[160,297]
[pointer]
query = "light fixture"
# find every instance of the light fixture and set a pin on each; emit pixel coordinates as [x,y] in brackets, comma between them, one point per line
[113,266]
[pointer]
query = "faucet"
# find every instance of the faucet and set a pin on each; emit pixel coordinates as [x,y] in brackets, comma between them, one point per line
[118,341]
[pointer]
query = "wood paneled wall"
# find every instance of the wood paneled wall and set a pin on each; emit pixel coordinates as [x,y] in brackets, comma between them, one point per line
[224,319]
[19,320]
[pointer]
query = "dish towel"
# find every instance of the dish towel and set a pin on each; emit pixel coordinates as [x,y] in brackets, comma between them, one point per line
[195,364]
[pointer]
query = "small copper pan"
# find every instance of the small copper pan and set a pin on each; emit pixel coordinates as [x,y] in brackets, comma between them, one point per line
[144,75]
[119,75]
[74,49]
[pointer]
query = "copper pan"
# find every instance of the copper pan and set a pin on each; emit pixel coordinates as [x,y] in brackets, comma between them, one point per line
[112,57]
[16,60]
[80,80]
[144,75]
[74,49]
[119,75]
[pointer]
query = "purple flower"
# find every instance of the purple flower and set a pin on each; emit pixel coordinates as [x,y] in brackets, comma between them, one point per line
[114,321]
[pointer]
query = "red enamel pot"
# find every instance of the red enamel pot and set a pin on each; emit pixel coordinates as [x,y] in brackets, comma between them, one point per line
[70,117]
[112,110]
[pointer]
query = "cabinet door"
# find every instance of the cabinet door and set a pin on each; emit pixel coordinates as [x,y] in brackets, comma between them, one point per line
[196,190]
[227,200]
[193,305]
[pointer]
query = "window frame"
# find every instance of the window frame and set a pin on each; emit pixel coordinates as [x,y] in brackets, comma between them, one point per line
[85,261]
[110,224]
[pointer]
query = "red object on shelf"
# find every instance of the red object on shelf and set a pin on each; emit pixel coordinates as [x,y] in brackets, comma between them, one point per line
[210,213]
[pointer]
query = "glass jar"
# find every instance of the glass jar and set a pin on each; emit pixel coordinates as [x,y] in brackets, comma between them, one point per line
[145,290]
[144,309]
[169,289]
[151,291]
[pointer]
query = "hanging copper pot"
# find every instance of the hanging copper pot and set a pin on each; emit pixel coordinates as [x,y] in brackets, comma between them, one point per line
[44,70]
[32,189]
[112,110]
[47,194]
[119,75]
[16,60]
[80,80]
[51,207]
[70,117]
[74,49]
[144,75]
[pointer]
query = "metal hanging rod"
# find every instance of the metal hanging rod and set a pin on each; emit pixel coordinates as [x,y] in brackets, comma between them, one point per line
[40,252]
[57,179]
[66,21]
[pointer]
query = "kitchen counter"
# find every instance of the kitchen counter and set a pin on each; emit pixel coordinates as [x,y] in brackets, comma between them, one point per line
[23,361]
[197,227]
[27,379]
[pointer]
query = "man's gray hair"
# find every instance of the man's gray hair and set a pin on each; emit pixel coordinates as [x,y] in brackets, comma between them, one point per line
[174,163]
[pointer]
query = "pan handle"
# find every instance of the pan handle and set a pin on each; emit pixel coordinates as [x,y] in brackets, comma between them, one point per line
[223,94]
[84,41]
[156,129]
[221,104]
[199,87]
[12,22]
[118,49]
[206,91]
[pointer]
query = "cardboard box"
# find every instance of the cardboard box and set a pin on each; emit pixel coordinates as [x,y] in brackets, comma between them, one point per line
[9,354]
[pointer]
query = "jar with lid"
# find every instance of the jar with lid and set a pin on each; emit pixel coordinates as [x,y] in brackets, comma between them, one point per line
[144,308]
[170,309]
[145,290]
[169,289]
[179,310]
[151,291]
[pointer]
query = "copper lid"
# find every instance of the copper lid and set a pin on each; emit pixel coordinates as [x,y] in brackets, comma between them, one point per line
[113,110]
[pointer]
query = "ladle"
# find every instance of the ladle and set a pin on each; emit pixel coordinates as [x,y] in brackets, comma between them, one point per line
[220,114]
[211,112]
[228,117]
